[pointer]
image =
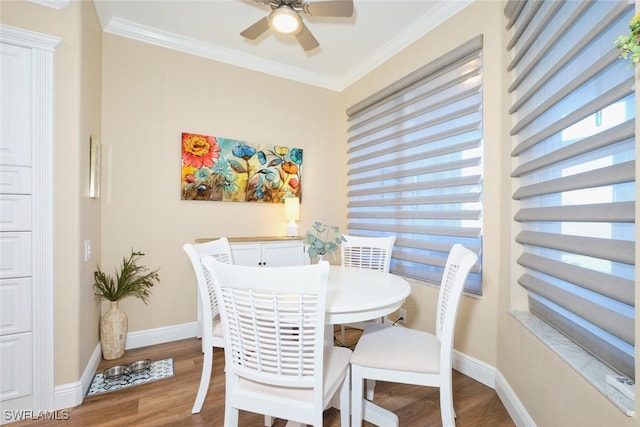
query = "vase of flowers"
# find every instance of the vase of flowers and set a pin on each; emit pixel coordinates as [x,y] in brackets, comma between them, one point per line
[629,44]
[131,280]
[324,240]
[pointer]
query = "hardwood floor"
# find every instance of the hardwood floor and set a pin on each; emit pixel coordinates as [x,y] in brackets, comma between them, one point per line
[168,402]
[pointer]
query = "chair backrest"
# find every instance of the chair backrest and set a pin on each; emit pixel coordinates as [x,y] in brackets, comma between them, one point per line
[273,322]
[220,250]
[459,264]
[373,253]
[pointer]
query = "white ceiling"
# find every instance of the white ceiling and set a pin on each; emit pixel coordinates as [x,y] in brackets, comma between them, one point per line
[349,47]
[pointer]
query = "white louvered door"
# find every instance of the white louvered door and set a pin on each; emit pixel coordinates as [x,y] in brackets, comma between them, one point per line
[26,223]
[16,337]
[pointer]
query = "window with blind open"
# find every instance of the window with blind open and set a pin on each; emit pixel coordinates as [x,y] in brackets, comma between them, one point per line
[415,165]
[573,118]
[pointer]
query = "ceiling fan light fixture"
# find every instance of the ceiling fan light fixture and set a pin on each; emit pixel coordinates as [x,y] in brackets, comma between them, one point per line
[285,20]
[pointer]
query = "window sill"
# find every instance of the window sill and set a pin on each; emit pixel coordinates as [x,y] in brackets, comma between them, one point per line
[590,368]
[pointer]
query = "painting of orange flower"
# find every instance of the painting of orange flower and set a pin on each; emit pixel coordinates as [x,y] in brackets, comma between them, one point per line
[223,169]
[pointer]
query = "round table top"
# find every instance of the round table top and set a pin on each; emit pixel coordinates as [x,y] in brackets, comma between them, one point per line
[358,294]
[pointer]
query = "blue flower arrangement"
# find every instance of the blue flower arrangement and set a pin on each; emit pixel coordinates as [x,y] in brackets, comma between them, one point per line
[324,240]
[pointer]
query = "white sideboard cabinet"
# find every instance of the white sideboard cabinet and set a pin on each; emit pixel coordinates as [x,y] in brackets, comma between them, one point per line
[270,251]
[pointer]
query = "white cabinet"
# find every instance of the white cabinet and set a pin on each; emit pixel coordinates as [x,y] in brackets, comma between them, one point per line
[268,253]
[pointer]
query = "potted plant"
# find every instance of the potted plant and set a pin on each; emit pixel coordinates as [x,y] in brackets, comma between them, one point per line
[323,241]
[629,44]
[131,280]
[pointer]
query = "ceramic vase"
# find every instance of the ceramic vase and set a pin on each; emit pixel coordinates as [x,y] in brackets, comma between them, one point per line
[113,332]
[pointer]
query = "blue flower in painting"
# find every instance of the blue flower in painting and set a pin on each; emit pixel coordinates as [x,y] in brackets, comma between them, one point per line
[269,174]
[259,193]
[229,186]
[243,151]
[262,158]
[202,174]
[296,156]
[221,166]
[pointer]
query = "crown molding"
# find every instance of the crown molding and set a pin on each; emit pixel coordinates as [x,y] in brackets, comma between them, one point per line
[131,30]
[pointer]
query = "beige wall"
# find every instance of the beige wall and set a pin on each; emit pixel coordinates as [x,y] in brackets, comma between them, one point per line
[76,217]
[150,96]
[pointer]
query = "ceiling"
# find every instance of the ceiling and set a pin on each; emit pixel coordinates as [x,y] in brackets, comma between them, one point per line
[349,47]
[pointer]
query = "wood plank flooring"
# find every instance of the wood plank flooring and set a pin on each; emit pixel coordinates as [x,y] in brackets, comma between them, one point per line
[168,402]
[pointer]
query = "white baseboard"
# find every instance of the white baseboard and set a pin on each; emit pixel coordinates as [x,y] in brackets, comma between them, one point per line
[161,335]
[491,377]
[72,394]
[474,368]
[510,400]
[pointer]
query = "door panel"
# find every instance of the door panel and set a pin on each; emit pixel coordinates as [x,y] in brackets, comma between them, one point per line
[15,305]
[15,367]
[15,254]
[15,86]
[15,212]
[15,179]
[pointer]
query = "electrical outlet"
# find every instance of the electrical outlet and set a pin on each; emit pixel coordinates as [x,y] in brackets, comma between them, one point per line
[402,313]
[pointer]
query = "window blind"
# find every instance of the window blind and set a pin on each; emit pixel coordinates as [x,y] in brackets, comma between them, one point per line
[415,164]
[573,115]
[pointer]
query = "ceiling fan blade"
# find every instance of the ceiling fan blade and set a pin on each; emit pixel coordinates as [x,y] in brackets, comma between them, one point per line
[306,39]
[339,8]
[252,32]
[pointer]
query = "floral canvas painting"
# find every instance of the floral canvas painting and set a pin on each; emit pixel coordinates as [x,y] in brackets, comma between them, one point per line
[222,169]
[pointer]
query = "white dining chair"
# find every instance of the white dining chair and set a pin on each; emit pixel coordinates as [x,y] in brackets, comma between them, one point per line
[410,356]
[208,313]
[373,253]
[276,360]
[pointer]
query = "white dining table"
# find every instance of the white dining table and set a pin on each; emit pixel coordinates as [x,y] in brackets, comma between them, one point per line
[358,294]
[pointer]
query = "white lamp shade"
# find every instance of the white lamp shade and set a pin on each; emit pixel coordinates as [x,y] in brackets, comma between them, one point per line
[292,208]
[285,20]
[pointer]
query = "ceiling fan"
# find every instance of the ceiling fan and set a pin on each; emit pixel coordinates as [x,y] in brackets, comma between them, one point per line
[285,18]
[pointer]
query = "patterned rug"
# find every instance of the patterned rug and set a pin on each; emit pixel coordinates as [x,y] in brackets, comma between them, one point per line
[158,370]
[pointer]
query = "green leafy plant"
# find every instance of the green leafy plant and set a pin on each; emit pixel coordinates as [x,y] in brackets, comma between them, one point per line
[324,240]
[132,280]
[629,44]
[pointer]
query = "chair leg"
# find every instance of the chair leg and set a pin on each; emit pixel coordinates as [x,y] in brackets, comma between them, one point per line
[207,363]
[357,407]
[230,416]
[345,397]
[446,405]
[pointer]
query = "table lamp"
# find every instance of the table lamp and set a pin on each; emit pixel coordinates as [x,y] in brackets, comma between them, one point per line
[292,213]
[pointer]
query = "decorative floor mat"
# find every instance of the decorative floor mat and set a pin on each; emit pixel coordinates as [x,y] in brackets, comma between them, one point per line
[158,370]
